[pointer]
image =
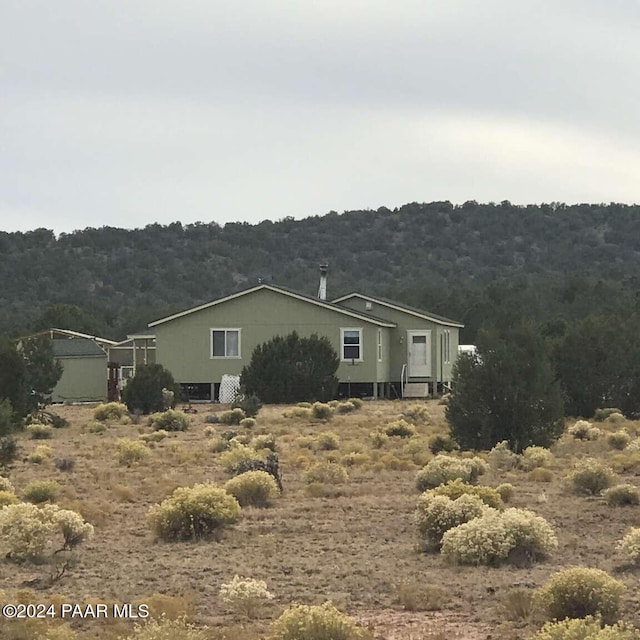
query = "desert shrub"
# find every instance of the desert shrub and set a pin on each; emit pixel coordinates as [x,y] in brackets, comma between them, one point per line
[250,405]
[7,497]
[591,477]
[630,545]
[618,439]
[169,420]
[319,622]
[218,445]
[265,441]
[418,414]
[6,485]
[38,491]
[456,488]
[253,488]
[333,403]
[621,495]
[304,413]
[304,405]
[326,473]
[110,411]
[615,417]
[579,592]
[505,491]
[130,451]
[37,431]
[193,512]
[321,411]
[414,595]
[588,628]
[26,530]
[583,430]
[501,458]
[165,629]
[400,428]
[327,441]
[248,423]
[144,392]
[245,595]
[513,535]
[236,455]
[356,402]
[41,453]
[232,416]
[442,469]
[212,418]
[439,443]
[436,514]
[345,407]
[541,475]
[378,439]
[535,458]
[602,414]
[154,436]
[65,464]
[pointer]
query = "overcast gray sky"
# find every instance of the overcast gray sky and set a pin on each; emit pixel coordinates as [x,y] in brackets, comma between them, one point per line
[125,113]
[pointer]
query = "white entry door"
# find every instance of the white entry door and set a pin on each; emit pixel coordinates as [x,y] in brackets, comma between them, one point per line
[419,353]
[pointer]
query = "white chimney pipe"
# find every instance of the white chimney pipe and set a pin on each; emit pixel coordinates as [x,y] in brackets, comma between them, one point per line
[322,291]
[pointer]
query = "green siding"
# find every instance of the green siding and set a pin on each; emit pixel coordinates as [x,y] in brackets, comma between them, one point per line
[404,322]
[183,344]
[84,379]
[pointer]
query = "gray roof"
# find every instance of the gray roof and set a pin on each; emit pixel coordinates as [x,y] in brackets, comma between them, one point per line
[69,347]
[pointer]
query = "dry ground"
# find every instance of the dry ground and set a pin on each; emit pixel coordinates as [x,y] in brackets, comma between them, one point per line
[356,545]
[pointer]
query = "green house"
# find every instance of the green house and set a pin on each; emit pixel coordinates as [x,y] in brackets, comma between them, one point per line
[386,349]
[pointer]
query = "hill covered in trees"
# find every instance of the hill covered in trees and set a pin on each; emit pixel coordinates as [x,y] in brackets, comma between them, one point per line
[482,264]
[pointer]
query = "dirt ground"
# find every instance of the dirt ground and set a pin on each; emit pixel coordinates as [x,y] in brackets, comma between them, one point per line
[354,544]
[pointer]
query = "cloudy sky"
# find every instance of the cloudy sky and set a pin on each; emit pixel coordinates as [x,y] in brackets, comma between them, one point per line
[125,113]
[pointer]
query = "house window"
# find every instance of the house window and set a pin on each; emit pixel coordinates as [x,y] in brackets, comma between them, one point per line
[447,346]
[379,345]
[351,344]
[225,343]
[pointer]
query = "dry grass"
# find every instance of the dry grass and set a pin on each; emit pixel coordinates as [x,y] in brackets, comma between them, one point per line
[354,543]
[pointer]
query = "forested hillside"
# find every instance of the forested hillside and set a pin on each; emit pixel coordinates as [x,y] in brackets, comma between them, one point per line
[479,263]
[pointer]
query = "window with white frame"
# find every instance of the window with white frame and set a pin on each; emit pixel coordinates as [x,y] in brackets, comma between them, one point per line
[225,343]
[351,344]
[379,345]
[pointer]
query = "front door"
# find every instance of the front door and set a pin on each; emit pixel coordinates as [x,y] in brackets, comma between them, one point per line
[419,353]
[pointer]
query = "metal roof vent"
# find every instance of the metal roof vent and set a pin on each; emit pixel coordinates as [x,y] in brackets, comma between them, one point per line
[322,290]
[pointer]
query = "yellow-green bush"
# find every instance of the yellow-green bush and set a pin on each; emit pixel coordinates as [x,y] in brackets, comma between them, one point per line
[541,475]
[248,423]
[588,628]
[237,454]
[622,495]
[502,458]
[38,491]
[345,407]
[154,436]
[378,439]
[6,485]
[583,430]
[513,535]
[110,411]
[130,451]
[321,411]
[320,622]
[169,420]
[163,629]
[7,497]
[233,416]
[535,457]
[193,512]
[629,546]
[443,468]
[580,592]
[505,491]
[436,514]
[456,488]
[602,414]
[327,441]
[591,477]
[418,414]
[618,439]
[264,441]
[41,453]
[253,488]
[400,428]
[356,402]
[326,473]
[37,431]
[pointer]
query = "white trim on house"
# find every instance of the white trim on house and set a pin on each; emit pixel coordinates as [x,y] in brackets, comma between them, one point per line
[359,330]
[291,294]
[226,330]
[397,307]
